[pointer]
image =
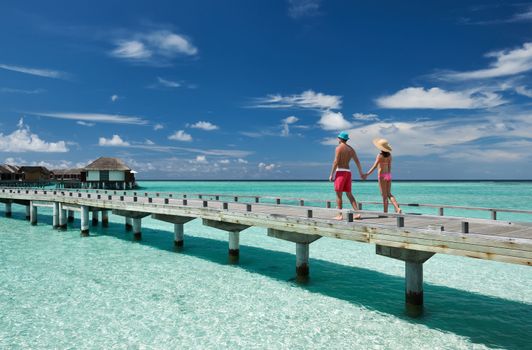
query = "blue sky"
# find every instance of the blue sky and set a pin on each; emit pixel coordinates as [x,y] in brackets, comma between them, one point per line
[259,89]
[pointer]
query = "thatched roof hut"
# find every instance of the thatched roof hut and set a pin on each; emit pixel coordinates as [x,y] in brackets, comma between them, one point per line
[107,163]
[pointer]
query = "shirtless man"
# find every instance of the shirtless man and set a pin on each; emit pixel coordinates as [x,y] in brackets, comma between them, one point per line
[341,174]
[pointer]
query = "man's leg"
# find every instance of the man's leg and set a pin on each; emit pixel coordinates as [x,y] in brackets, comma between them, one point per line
[353,204]
[339,205]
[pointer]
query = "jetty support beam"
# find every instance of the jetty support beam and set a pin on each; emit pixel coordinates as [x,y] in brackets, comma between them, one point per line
[33,213]
[55,215]
[105,218]
[8,209]
[70,215]
[178,222]
[414,260]
[28,212]
[84,215]
[62,217]
[302,242]
[234,236]
[129,224]
[135,217]
[95,215]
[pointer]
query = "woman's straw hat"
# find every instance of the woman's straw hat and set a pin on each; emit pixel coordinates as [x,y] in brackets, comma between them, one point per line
[383,145]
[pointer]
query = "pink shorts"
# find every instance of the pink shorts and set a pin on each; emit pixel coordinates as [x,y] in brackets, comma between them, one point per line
[342,181]
[385,176]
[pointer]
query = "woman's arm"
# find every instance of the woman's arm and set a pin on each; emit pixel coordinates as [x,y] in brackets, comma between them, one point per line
[372,169]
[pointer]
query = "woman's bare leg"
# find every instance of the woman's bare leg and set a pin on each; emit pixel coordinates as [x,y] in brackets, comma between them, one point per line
[384,192]
[392,198]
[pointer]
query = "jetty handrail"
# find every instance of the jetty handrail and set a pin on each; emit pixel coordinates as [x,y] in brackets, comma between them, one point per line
[303,201]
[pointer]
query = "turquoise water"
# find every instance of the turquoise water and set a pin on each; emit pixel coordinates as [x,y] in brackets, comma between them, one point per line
[58,290]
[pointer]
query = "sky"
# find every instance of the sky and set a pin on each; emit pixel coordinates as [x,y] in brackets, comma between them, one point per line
[259,89]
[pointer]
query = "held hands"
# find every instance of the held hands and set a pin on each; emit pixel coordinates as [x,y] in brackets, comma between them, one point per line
[363,176]
[331,178]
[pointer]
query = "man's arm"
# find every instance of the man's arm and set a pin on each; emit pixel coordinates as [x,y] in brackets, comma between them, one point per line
[335,164]
[357,162]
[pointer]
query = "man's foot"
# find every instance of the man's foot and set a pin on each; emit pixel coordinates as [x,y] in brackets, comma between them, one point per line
[339,217]
[357,217]
[400,211]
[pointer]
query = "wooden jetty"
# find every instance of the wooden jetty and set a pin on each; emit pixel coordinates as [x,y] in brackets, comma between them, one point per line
[412,238]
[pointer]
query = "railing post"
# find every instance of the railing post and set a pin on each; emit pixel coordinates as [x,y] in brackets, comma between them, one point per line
[440,211]
[465,227]
[493,215]
[400,221]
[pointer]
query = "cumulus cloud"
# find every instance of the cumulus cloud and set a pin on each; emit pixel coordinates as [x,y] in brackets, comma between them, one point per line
[203,125]
[200,160]
[114,98]
[180,135]
[334,121]
[158,126]
[93,117]
[157,46]
[506,63]
[23,140]
[522,90]
[46,73]
[267,167]
[308,99]
[436,98]
[113,141]
[242,161]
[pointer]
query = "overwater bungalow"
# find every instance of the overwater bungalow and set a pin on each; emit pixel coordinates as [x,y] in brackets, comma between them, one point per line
[107,173]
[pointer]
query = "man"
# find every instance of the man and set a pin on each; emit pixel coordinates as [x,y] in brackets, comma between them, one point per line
[341,174]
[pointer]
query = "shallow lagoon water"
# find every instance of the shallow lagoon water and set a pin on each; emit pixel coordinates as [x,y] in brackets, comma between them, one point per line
[58,290]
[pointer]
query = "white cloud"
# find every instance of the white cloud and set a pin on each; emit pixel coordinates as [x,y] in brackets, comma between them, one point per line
[158,46]
[149,142]
[180,135]
[507,62]
[365,117]
[47,73]
[168,83]
[23,140]
[267,167]
[286,124]
[93,117]
[333,121]
[203,125]
[80,122]
[114,98]
[308,99]
[22,91]
[224,161]
[450,137]
[242,161]
[303,8]
[158,126]
[436,98]
[113,141]
[200,160]
[522,90]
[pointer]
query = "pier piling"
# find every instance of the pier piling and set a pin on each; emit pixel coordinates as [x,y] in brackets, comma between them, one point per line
[178,235]
[302,255]
[8,209]
[137,229]
[33,213]
[55,215]
[105,218]
[62,217]
[95,217]
[27,212]
[129,224]
[84,220]
[70,215]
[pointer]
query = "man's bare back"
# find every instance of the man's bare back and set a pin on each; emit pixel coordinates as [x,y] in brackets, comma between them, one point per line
[344,154]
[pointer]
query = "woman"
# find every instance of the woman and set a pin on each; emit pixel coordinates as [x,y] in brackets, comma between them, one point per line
[384,163]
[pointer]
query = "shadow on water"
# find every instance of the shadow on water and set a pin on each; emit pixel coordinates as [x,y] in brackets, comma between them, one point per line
[483,319]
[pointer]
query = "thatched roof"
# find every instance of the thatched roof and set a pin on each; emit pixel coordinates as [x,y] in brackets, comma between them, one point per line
[104,163]
[27,168]
[76,171]
[8,169]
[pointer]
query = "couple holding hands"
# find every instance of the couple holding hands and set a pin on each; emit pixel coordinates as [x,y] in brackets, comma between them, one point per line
[341,174]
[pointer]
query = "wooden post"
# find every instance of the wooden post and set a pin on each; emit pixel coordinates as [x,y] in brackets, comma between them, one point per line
[302,267]
[414,287]
[309,213]
[493,215]
[256,199]
[129,224]
[178,235]
[328,204]
[55,215]
[71,216]
[8,209]
[278,201]
[236,199]
[28,212]
[205,204]
[465,227]
[350,217]
[84,221]
[105,218]
[234,246]
[225,206]
[440,211]
[301,202]
[62,217]
[248,207]
[360,206]
[137,229]
[185,202]
[400,221]
[95,217]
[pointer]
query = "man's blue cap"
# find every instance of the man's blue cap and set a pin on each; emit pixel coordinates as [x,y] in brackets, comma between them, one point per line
[343,135]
